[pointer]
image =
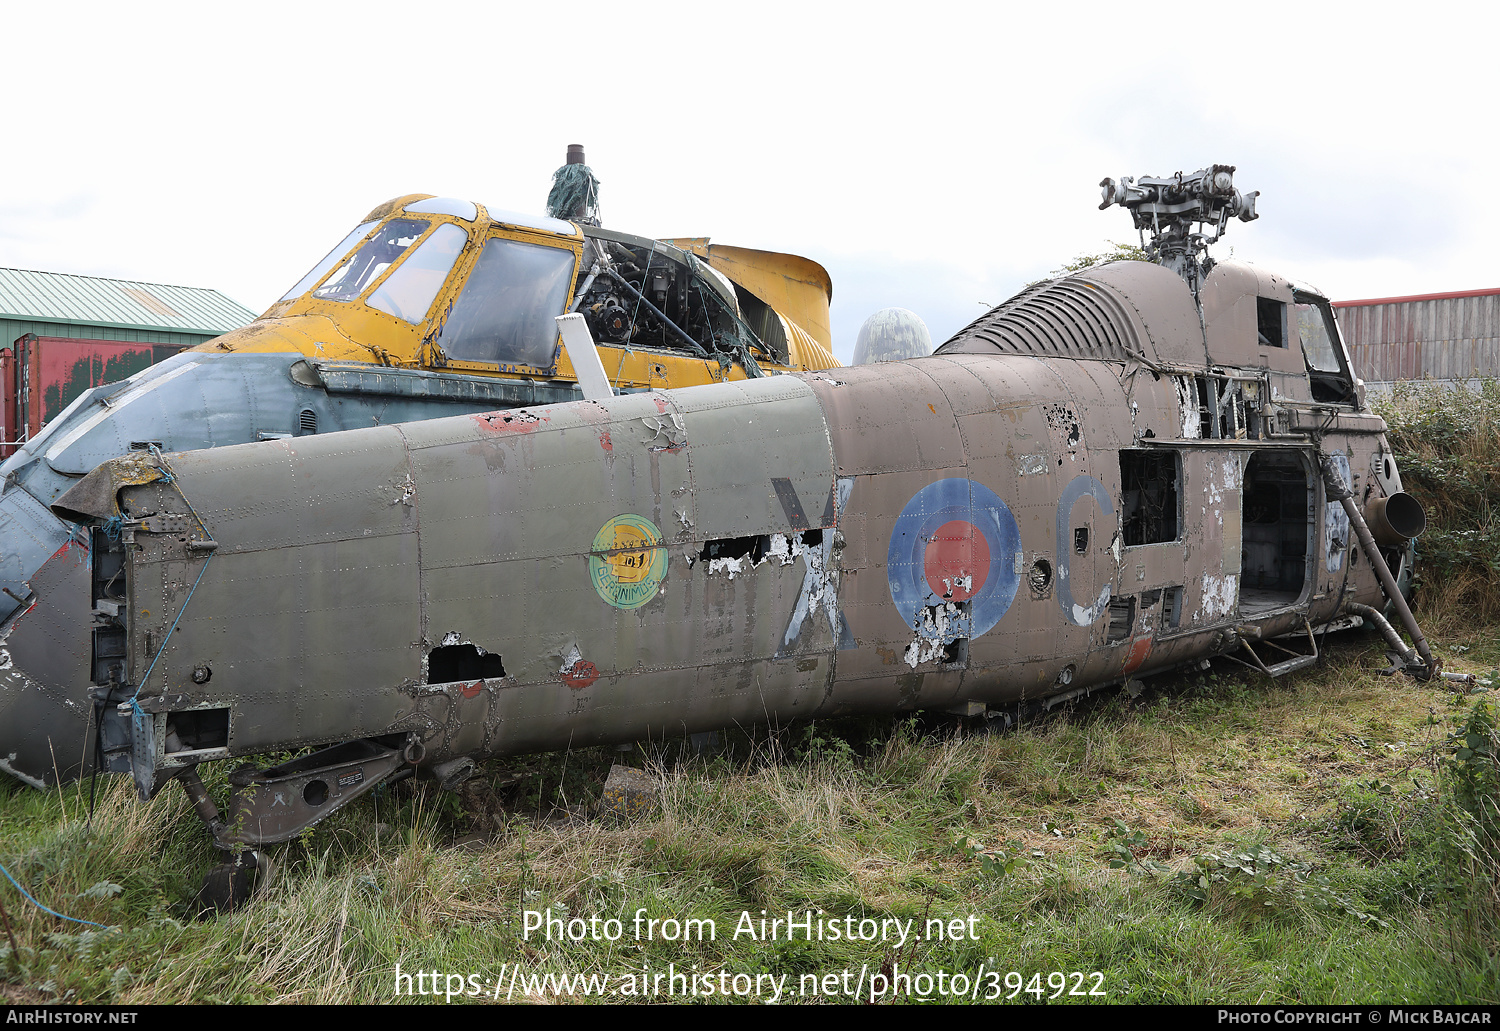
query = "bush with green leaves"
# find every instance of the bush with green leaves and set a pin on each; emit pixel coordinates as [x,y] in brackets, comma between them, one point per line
[1474,767]
[1263,877]
[1447,442]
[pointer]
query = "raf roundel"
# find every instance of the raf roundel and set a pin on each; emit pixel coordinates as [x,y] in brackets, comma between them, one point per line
[954,542]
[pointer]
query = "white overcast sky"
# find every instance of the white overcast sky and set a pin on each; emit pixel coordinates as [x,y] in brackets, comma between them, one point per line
[931,156]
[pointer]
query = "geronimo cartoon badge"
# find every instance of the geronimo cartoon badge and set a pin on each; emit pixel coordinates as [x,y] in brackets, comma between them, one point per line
[628,562]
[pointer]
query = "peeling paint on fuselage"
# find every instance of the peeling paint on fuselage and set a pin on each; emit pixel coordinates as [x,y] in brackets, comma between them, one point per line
[8,765]
[516,420]
[1190,425]
[820,583]
[1335,536]
[1220,595]
[938,627]
[783,549]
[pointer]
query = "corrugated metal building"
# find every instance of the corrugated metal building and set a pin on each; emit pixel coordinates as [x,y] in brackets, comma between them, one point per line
[63,334]
[1452,337]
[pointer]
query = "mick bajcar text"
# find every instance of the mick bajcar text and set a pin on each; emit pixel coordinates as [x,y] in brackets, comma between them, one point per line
[1377,1015]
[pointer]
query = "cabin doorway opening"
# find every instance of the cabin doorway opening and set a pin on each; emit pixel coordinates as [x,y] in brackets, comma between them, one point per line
[1277,531]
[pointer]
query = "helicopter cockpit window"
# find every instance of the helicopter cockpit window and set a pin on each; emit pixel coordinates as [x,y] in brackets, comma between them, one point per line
[1270,322]
[1320,347]
[365,266]
[409,291]
[506,310]
[334,256]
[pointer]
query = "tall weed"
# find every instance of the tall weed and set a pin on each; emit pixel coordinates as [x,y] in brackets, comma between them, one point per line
[1447,441]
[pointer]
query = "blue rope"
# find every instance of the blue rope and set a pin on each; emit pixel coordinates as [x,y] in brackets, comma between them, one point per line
[166,471]
[43,908]
[168,477]
[134,705]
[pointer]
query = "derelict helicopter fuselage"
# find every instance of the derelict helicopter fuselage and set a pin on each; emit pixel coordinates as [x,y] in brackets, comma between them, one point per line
[1119,472]
[430,307]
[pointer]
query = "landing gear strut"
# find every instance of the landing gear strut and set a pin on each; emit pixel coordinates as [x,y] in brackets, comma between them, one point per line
[229,885]
[272,805]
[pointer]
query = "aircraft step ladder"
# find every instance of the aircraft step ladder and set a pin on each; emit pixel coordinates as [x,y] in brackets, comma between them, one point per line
[1297,660]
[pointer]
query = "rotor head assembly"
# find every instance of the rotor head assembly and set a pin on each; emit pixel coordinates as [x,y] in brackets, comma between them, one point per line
[1184,214]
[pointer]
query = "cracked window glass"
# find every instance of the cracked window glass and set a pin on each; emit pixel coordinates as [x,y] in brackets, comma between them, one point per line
[379,252]
[1326,371]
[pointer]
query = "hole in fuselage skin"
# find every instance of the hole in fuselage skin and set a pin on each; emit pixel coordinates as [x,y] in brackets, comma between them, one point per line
[1081,540]
[1149,486]
[462,662]
[736,547]
[1277,500]
[756,549]
[200,728]
[1171,611]
[956,652]
[1041,576]
[1121,620]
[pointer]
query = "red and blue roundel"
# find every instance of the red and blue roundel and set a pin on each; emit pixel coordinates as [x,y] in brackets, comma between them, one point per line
[955,541]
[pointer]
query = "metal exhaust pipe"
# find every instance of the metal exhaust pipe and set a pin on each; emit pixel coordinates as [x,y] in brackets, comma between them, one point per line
[1396,519]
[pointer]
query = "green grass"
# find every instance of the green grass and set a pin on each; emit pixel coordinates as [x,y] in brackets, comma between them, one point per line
[1381,887]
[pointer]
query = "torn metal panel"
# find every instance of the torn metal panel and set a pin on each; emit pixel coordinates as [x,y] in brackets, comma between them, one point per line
[1189,407]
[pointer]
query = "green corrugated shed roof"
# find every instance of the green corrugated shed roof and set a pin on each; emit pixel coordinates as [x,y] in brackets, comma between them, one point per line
[59,297]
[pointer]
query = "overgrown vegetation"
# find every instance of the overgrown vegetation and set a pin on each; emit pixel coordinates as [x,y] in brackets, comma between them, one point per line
[1448,443]
[1330,837]
[1116,251]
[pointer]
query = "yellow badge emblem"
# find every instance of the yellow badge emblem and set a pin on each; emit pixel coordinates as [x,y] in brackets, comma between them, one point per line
[628,561]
